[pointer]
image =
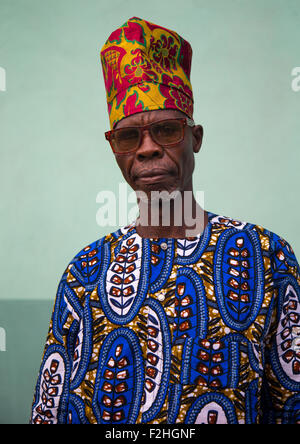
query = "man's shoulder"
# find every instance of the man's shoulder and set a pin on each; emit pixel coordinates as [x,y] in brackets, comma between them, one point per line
[269,239]
[90,253]
[86,264]
[89,258]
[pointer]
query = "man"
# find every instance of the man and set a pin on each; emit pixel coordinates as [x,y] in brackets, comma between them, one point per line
[151,325]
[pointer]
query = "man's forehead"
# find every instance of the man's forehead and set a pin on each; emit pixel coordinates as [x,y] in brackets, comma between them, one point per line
[146,117]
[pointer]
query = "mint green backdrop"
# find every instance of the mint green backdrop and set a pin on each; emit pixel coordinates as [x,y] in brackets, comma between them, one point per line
[54,159]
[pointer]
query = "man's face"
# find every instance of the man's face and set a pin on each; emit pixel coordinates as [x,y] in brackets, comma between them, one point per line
[174,165]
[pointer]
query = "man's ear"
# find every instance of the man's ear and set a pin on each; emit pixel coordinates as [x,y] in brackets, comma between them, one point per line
[197,131]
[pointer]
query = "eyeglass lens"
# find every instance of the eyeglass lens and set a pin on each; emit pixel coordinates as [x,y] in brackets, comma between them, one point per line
[164,133]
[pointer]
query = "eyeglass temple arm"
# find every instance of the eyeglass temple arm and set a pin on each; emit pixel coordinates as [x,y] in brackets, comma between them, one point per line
[190,122]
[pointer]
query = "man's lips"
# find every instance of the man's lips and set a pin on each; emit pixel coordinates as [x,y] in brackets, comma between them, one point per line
[153,174]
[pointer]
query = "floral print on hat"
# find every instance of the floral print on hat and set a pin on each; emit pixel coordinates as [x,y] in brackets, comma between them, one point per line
[146,67]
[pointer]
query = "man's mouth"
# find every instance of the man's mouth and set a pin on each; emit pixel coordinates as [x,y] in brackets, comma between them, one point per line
[153,175]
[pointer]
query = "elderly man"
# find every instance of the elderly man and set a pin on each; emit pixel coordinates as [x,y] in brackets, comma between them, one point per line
[151,325]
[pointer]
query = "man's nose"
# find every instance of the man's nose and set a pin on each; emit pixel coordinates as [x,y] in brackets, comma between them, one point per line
[148,147]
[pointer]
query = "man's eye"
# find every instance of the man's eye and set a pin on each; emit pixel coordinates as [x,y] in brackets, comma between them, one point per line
[164,129]
[126,135]
[168,129]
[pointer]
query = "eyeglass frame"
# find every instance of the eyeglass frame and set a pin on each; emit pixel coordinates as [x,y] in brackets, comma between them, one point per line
[185,120]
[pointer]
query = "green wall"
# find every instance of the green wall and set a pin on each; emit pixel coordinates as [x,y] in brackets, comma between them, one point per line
[54,159]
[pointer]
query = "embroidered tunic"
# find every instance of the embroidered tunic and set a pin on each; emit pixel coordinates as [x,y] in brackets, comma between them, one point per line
[197,330]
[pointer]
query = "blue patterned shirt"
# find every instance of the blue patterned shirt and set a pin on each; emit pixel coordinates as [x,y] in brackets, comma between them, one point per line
[197,330]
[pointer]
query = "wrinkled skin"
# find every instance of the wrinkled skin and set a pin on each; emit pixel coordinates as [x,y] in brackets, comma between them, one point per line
[177,163]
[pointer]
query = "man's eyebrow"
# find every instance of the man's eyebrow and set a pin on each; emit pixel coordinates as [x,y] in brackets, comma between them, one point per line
[190,122]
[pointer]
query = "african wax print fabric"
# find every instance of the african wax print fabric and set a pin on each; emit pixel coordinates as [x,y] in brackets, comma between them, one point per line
[197,330]
[146,67]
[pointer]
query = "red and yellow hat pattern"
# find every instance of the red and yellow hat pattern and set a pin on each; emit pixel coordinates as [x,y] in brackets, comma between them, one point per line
[146,67]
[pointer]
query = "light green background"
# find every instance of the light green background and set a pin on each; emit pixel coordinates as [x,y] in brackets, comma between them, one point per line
[54,159]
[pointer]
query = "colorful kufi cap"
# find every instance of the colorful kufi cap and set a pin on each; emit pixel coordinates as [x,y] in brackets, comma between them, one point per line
[146,67]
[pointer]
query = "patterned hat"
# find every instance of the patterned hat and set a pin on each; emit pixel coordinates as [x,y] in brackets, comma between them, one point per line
[146,67]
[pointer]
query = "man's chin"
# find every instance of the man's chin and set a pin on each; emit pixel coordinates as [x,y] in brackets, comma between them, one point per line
[156,193]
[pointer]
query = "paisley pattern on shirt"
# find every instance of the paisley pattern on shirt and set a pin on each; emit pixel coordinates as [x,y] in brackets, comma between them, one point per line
[197,330]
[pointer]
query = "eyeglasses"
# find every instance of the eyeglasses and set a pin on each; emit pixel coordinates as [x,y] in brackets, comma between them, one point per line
[168,133]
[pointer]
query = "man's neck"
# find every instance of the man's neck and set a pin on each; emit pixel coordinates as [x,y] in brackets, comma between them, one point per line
[180,217]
